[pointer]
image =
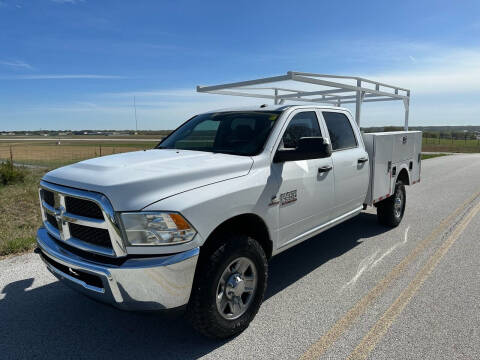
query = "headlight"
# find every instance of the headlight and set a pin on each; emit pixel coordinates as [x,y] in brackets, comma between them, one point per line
[156,228]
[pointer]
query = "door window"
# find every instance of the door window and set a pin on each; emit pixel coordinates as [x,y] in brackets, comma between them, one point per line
[304,124]
[340,130]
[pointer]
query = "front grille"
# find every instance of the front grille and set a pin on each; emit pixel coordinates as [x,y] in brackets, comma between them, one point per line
[48,197]
[83,207]
[118,261]
[91,235]
[76,218]
[51,219]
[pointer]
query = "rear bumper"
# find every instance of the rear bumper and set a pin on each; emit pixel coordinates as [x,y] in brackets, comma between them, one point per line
[138,284]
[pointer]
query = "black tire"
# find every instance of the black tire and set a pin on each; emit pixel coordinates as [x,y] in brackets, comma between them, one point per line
[202,310]
[388,211]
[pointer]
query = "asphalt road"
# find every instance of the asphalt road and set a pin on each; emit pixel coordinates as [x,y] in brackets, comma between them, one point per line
[359,290]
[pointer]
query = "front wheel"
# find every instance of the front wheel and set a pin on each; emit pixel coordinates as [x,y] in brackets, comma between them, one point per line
[390,211]
[229,285]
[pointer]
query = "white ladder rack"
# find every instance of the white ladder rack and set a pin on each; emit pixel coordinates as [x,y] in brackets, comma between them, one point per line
[332,89]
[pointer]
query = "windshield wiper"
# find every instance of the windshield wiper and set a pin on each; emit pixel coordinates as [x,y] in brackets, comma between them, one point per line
[228,152]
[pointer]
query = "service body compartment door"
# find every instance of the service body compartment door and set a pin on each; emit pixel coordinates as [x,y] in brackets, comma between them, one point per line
[380,152]
[403,146]
[400,149]
[417,157]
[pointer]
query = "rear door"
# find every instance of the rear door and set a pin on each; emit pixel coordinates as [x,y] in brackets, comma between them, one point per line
[305,195]
[350,162]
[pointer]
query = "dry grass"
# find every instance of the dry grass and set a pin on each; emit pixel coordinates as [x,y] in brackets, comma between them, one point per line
[19,214]
[51,154]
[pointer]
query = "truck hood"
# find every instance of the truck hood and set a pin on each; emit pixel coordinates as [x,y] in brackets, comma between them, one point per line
[134,180]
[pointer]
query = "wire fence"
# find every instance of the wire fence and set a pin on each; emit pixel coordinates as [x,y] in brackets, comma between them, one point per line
[451,144]
[55,154]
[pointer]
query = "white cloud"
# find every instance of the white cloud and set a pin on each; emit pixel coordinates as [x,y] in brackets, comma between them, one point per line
[452,71]
[67,1]
[61,76]
[153,93]
[16,64]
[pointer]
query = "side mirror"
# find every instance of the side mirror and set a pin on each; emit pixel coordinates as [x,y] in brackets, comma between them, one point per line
[308,148]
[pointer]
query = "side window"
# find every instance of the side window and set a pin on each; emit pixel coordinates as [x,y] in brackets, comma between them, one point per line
[304,124]
[340,130]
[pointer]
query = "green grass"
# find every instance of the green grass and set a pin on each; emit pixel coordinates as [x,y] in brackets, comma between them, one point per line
[449,145]
[20,214]
[430,156]
[10,174]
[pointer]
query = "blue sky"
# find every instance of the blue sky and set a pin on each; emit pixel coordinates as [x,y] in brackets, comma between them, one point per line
[73,64]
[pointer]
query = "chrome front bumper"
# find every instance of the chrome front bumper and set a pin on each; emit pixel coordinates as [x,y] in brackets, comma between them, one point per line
[156,283]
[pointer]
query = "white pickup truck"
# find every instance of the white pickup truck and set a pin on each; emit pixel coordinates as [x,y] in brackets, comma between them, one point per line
[193,222]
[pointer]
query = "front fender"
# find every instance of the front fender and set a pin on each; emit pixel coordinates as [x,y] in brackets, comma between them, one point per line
[209,206]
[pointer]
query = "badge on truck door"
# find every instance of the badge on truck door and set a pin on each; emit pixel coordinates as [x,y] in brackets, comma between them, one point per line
[288,197]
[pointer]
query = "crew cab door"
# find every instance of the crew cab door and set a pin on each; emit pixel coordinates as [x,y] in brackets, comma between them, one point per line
[350,162]
[305,187]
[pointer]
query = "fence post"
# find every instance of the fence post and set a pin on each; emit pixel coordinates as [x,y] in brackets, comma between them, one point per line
[100,149]
[11,156]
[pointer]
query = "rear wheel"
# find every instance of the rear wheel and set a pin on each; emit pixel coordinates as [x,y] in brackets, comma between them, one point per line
[229,285]
[390,211]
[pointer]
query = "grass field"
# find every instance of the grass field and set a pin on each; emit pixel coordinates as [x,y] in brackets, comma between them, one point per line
[20,214]
[449,145]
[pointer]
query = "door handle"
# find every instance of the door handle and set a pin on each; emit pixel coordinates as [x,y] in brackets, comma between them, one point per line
[362,160]
[325,168]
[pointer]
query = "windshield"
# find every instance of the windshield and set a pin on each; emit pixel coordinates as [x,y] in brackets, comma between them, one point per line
[235,132]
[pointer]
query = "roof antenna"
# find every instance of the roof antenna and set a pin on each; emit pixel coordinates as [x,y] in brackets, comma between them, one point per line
[263,105]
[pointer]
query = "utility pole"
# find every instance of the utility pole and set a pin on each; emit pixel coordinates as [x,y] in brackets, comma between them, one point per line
[135,109]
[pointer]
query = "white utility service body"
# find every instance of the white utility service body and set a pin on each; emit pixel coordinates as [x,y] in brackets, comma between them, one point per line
[163,228]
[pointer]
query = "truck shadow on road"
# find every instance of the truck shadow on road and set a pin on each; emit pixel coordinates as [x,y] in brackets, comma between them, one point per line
[53,321]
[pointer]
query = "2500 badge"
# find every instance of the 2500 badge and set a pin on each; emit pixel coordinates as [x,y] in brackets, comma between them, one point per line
[288,197]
